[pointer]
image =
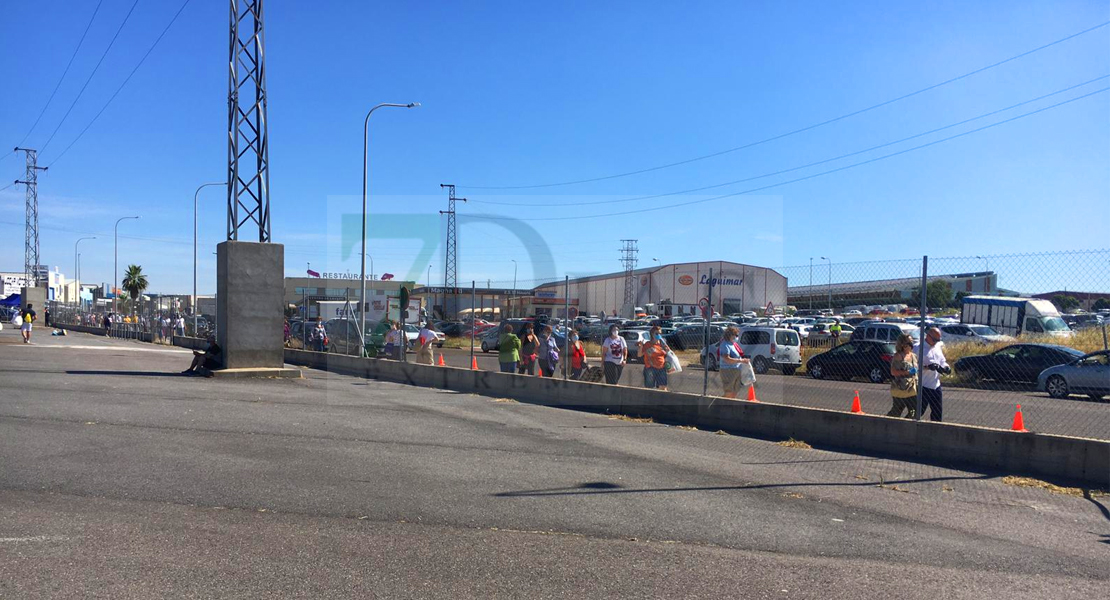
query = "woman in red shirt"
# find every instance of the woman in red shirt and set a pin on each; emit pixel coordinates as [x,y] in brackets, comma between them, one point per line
[577,356]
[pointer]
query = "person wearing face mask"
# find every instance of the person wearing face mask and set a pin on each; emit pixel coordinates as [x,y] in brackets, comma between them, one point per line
[614,354]
[577,362]
[654,352]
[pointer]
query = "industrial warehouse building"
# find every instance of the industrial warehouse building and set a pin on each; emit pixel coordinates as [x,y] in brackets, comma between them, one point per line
[666,290]
[888,291]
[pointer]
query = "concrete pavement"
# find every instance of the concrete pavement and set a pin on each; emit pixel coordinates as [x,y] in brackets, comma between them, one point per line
[124,480]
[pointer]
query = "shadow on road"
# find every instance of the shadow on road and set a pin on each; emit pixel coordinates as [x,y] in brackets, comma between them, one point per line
[128,373]
[611,488]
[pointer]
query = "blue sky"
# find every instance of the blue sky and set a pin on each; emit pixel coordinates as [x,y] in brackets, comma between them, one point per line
[517,95]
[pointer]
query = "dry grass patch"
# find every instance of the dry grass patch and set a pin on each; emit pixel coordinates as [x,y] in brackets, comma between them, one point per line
[505,400]
[793,443]
[722,432]
[631,419]
[687,428]
[1055,489]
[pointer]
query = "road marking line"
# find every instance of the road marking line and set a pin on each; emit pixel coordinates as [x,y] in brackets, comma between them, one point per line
[34,538]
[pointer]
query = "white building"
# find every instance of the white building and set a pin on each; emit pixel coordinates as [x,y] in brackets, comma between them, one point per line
[676,289]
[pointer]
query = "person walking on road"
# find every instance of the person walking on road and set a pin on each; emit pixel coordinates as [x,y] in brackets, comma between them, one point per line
[508,350]
[730,358]
[179,326]
[903,382]
[935,365]
[654,352]
[391,342]
[107,325]
[529,345]
[834,332]
[614,355]
[424,344]
[28,315]
[577,362]
[549,353]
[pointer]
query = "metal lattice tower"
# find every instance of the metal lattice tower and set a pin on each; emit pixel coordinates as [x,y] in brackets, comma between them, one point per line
[450,262]
[628,259]
[31,235]
[248,162]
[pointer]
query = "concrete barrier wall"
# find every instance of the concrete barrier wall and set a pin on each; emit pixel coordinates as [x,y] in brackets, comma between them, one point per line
[191,343]
[141,337]
[1055,457]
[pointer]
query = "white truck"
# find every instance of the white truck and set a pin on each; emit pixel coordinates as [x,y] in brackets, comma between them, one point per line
[337,309]
[1014,316]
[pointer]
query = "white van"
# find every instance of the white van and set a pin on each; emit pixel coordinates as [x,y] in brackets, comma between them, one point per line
[767,348]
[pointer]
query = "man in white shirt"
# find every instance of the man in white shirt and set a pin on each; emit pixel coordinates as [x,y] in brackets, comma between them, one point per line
[934,365]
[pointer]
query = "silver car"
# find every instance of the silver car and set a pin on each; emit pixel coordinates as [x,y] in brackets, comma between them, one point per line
[1087,375]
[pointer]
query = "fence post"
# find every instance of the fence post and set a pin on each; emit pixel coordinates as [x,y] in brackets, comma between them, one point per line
[921,333]
[566,326]
[473,324]
[708,312]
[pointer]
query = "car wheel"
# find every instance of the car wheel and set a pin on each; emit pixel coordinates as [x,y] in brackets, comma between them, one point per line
[759,365]
[485,348]
[972,376]
[1057,387]
[816,372]
[876,375]
[712,363]
[788,371]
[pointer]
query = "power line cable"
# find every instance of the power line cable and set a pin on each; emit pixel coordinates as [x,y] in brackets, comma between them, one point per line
[64,73]
[790,133]
[120,88]
[813,176]
[812,164]
[91,75]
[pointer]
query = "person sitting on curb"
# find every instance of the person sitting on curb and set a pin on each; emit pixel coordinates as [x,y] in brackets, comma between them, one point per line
[207,361]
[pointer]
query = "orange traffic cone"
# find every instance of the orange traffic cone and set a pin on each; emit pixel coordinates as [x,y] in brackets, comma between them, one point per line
[855,404]
[473,363]
[751,394]
[1019,421]
[441,363]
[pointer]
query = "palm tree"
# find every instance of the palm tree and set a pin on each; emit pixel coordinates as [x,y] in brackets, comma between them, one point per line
[134,281]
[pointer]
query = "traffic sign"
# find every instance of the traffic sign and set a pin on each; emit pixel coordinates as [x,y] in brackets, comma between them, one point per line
[770,310]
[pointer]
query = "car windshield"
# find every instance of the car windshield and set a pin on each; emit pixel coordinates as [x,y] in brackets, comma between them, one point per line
[982,330]
[1055,324]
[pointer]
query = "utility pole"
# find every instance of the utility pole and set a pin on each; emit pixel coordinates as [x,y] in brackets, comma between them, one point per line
[451,265]
[248,155]
[628,260]
[31,234]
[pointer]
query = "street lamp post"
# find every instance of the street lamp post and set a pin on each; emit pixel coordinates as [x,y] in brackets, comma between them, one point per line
[830,280]
[511,307]
[115,261]
[811,283]
[195,194]
[362,271]
[77,265]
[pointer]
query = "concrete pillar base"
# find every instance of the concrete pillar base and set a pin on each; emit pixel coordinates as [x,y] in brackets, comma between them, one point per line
[250,292]
[35,296]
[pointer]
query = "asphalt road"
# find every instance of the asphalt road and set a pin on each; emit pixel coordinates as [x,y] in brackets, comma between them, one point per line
[122,479]
[1076,416]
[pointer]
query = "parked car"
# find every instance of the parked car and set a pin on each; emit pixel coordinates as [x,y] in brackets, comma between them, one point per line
[820,331]
[692,337]
[979,334]
[857,358]
[633,337]
[1017,362]
[885,332]
[343,337]
[1089,375]
[491,338]
[1083,321]
[766,347]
